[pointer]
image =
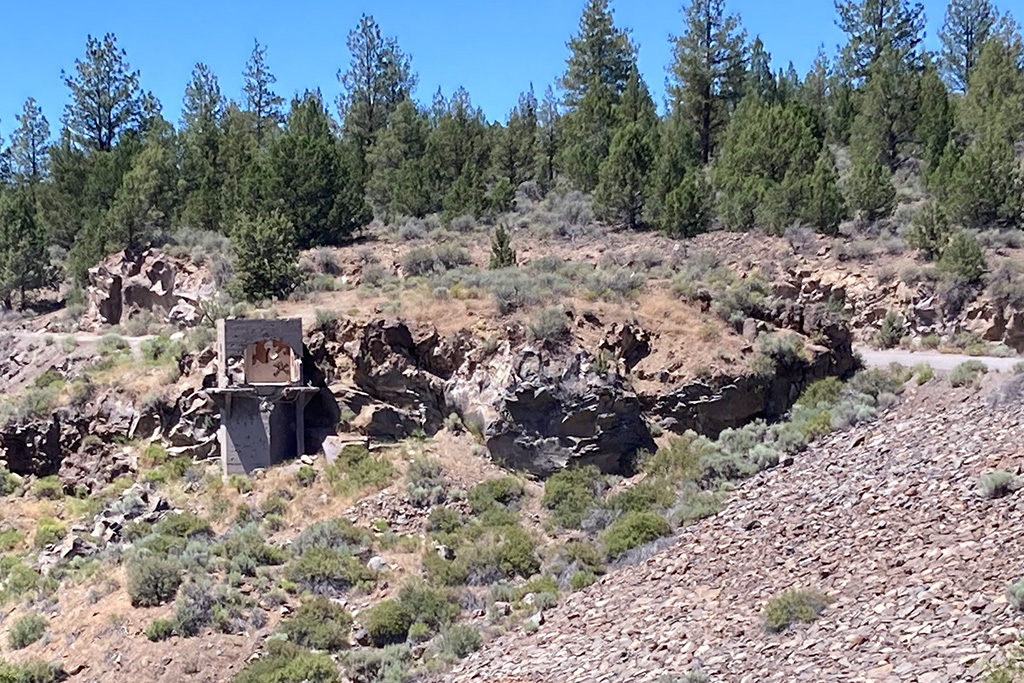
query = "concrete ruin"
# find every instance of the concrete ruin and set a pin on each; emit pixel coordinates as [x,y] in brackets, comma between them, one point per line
[261,393]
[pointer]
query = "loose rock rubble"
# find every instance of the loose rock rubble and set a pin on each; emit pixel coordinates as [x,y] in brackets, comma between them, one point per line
[885,519]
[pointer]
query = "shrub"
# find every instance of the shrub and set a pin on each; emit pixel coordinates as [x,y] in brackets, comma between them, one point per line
[632,530]
[48,532]
[372,665]
[997,484]
[387,623]
[184,525]
[495,493]
[502,253]
[32,672]
[356,469]
[963,259]
[931,341]
[968,374]
[193,610]
[1015,594]
[824,392]
[48,488]
[162,350]
[549,324]
[924,373]
[112,344]
[582,579]
[425,483]
[26,630]
[328,570]
[152,580]
[569,494]
[9,483]
[891,331]
[319,624]
[160,629]
[286,662]
[461,640]
[428,606]
[306,476]
[793,606]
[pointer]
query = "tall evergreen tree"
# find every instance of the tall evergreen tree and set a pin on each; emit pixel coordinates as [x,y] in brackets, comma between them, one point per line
[824,207]
[398,182]
[143,205]
[888,116]
[875,26]
[30,144]
[24,265]
[596,75]
[516,148]
[106,99]
[458,153]
[986,189]
[378,79]
[313,181]
[935,123]
[202,173]
[624,176]
[262,102]
[760,79]
[267,255]
[708,69]
[677,158]
[965,30]
[549,138]
[996,93]
[244,164]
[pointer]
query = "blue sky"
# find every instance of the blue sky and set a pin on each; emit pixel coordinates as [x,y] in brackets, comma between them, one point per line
[494,49]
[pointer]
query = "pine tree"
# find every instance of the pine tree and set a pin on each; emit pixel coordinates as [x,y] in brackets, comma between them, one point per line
[707,72]
[458,140]
[935,123]
[30,143]
[760,81]
[825,208]
[596,75]
[106,99]
[397,184]
[888,114]
[262,102]
[312,183]
[965,30]
[267,264]
[677,156]
[378,79]
[813,94]
[516,149]
[245,165]
[202,173]
[142,208]
[549,138]
[502,253]
[623,176]
[24,265]
[877,26]
[929,232]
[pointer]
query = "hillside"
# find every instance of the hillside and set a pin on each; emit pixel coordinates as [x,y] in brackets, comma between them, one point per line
[885,519]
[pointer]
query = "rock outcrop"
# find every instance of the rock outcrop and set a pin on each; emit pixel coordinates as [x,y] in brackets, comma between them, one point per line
[125,284]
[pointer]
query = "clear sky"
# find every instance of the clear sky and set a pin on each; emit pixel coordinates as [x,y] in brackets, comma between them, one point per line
[494,49]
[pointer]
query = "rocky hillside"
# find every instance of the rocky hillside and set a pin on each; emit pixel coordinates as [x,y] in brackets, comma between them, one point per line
[887,520]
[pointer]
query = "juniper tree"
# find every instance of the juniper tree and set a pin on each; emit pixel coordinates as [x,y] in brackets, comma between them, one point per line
[824,206]
[935,121]
[502,253]
[24,265]
[267,263]
[515,153]
[398,184]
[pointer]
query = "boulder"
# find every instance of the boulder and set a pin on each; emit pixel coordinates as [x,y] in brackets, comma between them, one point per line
[33,448]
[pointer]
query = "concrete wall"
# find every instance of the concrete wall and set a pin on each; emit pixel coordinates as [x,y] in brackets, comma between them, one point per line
[235,336]
[244,435]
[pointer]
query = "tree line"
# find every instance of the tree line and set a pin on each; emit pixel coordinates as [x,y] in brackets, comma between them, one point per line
[741,144]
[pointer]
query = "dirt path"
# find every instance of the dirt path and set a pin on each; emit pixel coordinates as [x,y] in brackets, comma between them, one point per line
[939,361]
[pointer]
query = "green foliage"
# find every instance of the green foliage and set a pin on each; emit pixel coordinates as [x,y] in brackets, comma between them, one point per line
[968,374]
[387,623]
[461,640]
[289,663]
[428,606]
[183,525]
[505,492]
[267,255]
[929,232]
[159,629]
[32,672]
[391,663]
[319,624]
[48,532]
[26,630]
[48,488]
[997,484]
[328,570]
[162,350]
[571,493]
[632,530]
[152,580]
[502,253]
[891,331]
[306,476]
[824,206]
[356,470]
[549,324]
[793,606]
[425,483]
[963,259]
